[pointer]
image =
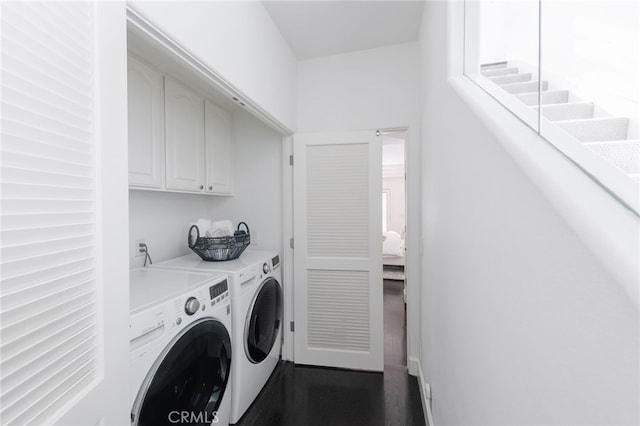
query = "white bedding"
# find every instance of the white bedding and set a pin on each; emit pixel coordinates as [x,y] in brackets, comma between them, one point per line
[392,248]
[393,260]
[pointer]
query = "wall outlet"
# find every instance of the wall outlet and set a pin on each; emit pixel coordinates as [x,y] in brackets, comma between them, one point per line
[138,248]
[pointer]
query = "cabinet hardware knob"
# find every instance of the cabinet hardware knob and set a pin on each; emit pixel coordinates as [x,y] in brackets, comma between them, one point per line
[201,186]
[210,188]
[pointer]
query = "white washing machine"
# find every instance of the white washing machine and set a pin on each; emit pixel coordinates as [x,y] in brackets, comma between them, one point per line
[256,306]
[180,347]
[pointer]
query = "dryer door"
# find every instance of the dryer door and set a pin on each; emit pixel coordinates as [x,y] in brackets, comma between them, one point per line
[263,321]
[188,381]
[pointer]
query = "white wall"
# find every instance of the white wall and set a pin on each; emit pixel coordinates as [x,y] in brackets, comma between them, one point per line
[163,218]
[239,41]
[257,187]
[368,89]
[395,203]
[508,31]
[521,322]
[372,89]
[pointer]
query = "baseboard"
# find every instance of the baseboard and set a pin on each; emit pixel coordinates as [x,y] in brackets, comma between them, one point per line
[413,366]
[425,393]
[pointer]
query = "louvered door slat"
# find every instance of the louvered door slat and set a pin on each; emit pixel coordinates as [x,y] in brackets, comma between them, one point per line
[45,275]
[44,105]
[39,292]
[17,341]
[27,206]
[20,352]
[18,366]
[32,131]
[48,294]
[48,160]
[44,85]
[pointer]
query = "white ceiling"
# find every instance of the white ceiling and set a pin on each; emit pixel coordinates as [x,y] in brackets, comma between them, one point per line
[316,28]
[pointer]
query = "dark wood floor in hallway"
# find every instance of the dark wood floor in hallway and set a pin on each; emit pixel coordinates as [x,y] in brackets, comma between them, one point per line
[314,396]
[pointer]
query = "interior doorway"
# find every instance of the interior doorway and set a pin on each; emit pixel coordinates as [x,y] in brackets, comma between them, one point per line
[394,233]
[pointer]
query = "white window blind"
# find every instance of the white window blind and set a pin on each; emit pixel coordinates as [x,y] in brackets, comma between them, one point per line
[48,328]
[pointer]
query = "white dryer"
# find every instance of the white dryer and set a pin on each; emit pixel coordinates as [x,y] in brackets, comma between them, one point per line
[256,305]
[180,347]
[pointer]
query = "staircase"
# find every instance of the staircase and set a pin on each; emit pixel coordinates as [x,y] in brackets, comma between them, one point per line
[603,134]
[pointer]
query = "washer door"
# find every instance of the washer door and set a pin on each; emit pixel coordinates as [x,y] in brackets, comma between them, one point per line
[189,380]
[263,321]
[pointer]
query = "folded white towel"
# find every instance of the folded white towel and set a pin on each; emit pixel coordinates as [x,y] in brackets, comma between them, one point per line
[203,225]
[221,228]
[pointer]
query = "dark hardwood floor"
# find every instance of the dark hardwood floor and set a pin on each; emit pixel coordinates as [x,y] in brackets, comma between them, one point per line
[301,395]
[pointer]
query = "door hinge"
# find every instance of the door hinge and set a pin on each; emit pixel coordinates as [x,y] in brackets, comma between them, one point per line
[291,242]
[291,160]
[291,326]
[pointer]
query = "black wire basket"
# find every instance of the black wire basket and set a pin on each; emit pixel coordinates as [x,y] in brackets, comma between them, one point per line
[217,249]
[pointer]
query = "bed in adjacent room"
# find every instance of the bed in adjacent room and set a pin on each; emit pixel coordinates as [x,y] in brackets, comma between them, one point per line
[392,256]
[393,259]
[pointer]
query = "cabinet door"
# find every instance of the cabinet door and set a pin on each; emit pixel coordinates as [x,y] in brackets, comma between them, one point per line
[146,125]
[217,149]
[184,128]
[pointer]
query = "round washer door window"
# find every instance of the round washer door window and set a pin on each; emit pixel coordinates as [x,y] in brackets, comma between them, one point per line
[263,321]
[191,378]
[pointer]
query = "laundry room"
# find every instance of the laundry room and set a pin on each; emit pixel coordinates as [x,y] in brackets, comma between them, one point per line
[200,224]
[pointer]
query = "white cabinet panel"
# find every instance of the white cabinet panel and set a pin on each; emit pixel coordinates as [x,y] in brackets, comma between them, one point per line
[184,126]
[146,125]
[217,149]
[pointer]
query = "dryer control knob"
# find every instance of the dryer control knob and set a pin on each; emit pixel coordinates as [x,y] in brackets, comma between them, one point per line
[265,268]
[192,306]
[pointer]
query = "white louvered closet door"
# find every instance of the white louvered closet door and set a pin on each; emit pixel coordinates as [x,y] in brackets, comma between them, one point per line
[50,332]
[338,250]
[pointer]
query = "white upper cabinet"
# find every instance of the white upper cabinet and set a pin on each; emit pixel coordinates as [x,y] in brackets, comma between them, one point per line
[178,140]
[184,135]
[218,157]
[146,125]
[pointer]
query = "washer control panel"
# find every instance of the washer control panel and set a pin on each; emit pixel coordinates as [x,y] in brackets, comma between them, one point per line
[219,292]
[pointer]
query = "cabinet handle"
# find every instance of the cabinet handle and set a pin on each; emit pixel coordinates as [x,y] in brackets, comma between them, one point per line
[210,188]
[201,186]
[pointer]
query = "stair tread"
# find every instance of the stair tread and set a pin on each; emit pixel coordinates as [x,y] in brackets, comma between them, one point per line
[547,97]
[596,119]
[625,155]
[511,78]
[493,65]
[499,71]
[567,111]
[621,142]
[524,87]
[596,129]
